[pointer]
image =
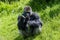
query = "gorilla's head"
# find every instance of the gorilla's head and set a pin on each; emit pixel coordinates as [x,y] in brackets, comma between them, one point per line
[28,10]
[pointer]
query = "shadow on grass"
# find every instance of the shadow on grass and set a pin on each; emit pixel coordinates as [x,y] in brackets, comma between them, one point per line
[28,38]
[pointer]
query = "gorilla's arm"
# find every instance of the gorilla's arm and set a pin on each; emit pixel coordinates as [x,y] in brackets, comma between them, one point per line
[36,21]
[22,21]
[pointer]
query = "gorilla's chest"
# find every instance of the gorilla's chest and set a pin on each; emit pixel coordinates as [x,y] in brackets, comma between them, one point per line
[32,17]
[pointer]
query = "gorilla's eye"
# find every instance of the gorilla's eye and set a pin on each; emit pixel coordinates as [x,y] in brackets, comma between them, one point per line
[28,13]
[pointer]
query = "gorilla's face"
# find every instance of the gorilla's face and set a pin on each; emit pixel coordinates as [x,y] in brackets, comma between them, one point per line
[28,10]
[27,14]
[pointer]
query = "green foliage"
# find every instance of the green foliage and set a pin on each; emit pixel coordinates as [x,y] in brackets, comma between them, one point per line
[42,4]
[9,1]
[48,10]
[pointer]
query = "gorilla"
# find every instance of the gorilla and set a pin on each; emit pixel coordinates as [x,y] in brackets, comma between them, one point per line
[29,22]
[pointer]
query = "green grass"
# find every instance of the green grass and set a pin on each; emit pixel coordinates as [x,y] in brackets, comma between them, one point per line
[8,21]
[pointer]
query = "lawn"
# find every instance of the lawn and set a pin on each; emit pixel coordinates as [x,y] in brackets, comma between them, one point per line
[48,12]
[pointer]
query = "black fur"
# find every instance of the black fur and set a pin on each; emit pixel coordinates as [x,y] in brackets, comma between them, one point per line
[33,21]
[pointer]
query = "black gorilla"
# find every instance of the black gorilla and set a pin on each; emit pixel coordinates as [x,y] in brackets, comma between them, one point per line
[29,23]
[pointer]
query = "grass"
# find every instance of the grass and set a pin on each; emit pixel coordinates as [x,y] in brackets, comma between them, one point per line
[8,21]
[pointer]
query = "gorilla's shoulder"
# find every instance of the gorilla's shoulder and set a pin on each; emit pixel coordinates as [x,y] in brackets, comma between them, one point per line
[35,13]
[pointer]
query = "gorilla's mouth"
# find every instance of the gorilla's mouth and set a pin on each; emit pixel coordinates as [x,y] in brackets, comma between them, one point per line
[28,13]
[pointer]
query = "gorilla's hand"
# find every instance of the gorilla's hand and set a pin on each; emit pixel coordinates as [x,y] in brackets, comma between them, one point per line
[29,22]
[27,18]
[23,16]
